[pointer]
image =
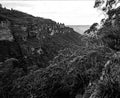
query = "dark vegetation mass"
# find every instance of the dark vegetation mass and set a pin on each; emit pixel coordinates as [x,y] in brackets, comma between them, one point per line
[40,58]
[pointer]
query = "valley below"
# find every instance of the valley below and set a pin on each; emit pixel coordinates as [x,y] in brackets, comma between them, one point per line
[79,28]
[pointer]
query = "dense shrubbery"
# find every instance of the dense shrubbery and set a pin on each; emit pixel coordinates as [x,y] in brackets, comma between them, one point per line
[66,77]
[109,85]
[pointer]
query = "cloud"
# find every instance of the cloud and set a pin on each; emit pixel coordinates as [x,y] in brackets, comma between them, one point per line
[14,3]
[70,12]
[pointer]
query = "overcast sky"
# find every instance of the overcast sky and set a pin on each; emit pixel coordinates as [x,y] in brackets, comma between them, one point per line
[69,12]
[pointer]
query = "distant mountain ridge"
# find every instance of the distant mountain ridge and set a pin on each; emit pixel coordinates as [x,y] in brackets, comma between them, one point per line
[79,28]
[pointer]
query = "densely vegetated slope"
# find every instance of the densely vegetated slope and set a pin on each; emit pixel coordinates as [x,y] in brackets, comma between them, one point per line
[38,39]
[107,86]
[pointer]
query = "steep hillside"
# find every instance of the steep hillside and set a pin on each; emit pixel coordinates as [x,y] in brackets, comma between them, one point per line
[38,39]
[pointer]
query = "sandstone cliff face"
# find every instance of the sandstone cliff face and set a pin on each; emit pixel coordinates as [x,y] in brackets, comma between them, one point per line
[5,33]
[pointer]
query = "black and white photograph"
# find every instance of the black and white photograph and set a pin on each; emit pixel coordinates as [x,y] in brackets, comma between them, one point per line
[59,48]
